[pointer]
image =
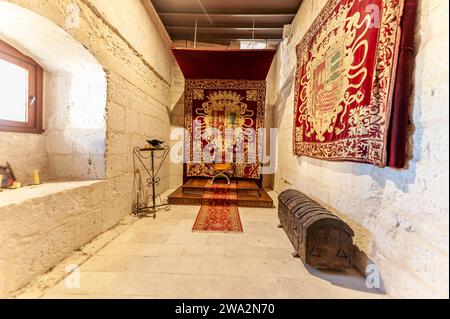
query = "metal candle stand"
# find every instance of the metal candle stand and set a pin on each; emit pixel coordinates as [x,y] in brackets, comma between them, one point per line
[142,208]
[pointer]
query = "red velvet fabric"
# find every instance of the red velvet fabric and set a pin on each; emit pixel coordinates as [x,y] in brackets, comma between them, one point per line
[223,118]
[224,64]
[353,82]
[211,72]
[403,88]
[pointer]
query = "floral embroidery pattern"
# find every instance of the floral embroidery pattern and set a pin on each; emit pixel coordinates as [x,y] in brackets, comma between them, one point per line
[343,87]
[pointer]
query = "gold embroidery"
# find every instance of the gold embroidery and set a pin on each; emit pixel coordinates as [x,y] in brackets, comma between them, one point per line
[359,121]
[299,134]
[235,113]
[198,94]
[367,125]
[252,95]
[327,91]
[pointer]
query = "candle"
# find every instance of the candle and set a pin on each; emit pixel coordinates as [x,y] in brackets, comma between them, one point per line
[1,181]
[36,178]
[16,185]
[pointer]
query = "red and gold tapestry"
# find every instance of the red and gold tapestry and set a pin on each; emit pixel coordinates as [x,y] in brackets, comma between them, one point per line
[347,63]
[222,119]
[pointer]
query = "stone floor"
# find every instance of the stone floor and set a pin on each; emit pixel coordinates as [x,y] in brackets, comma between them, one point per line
[162,258]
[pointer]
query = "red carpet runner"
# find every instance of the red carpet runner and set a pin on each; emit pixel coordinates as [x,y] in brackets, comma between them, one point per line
[219,211]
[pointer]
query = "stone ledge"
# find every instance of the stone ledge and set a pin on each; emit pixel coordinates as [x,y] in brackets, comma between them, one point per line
[17,196]
[42,225]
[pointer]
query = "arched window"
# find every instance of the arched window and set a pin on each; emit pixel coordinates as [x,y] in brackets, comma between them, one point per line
[20,92]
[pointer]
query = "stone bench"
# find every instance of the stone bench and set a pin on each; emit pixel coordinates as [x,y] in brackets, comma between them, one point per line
[41,225]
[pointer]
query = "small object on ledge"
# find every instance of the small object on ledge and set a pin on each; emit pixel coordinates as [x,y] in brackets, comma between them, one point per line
[16,185]
[1,183]
[155,143]
[36,177]
[8,176]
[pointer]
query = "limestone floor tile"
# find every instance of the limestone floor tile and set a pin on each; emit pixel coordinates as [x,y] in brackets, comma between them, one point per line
[224,267]
[298,288]
[201,250]
[153,228]
[171,265]
[244,266]
[166,285]
[315,288]
[144,237]
[124,237]
[221,239]
[94,297]
[245,250]
[194,286]
[107,264]
[159,250]
[139,264]
[120,249]
[163,258]
[189,237]
[140,249]
[268,241]
[255,287]
[91,283]
[261,229]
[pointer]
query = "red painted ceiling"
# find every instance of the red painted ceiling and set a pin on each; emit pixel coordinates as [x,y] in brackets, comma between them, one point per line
[224,63]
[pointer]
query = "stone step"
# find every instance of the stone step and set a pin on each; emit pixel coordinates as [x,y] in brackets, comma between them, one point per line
[262,200]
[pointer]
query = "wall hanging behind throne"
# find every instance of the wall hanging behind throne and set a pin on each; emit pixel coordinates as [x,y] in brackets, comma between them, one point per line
[224,119]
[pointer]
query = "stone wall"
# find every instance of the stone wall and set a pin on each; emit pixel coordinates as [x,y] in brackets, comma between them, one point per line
[75,128]
[74,98]
[41,226]
[177,116]
[137,61]
[400,216]
[25,152]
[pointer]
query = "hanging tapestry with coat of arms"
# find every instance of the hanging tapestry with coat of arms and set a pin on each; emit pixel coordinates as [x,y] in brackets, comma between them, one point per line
[223,118]
[345,80]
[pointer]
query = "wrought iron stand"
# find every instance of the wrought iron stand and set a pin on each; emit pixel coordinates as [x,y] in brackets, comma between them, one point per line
[143,197]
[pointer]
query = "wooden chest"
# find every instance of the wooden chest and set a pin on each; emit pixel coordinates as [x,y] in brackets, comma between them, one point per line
[320,238]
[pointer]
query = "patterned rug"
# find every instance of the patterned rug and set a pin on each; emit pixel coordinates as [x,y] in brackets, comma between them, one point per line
[219,211]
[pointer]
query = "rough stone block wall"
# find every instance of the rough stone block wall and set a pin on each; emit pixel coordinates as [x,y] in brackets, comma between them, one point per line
[25,152]
[37,233]
[138,86]
[72,145]
[177,117]
[75,123]
[400,216]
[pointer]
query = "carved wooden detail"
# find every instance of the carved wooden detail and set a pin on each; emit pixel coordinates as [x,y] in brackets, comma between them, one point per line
[320,238]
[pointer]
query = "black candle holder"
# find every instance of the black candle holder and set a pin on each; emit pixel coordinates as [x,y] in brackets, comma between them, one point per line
[147,201]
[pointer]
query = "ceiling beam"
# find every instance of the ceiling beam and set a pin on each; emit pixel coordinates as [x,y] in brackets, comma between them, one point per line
[228,35]
[232,12]
[226,15]
[222,29]
[231,39]
[154,16]
[190,24]
[221,23]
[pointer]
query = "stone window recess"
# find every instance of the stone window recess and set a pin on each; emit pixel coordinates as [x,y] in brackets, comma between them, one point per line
[21,92]
[71,112]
